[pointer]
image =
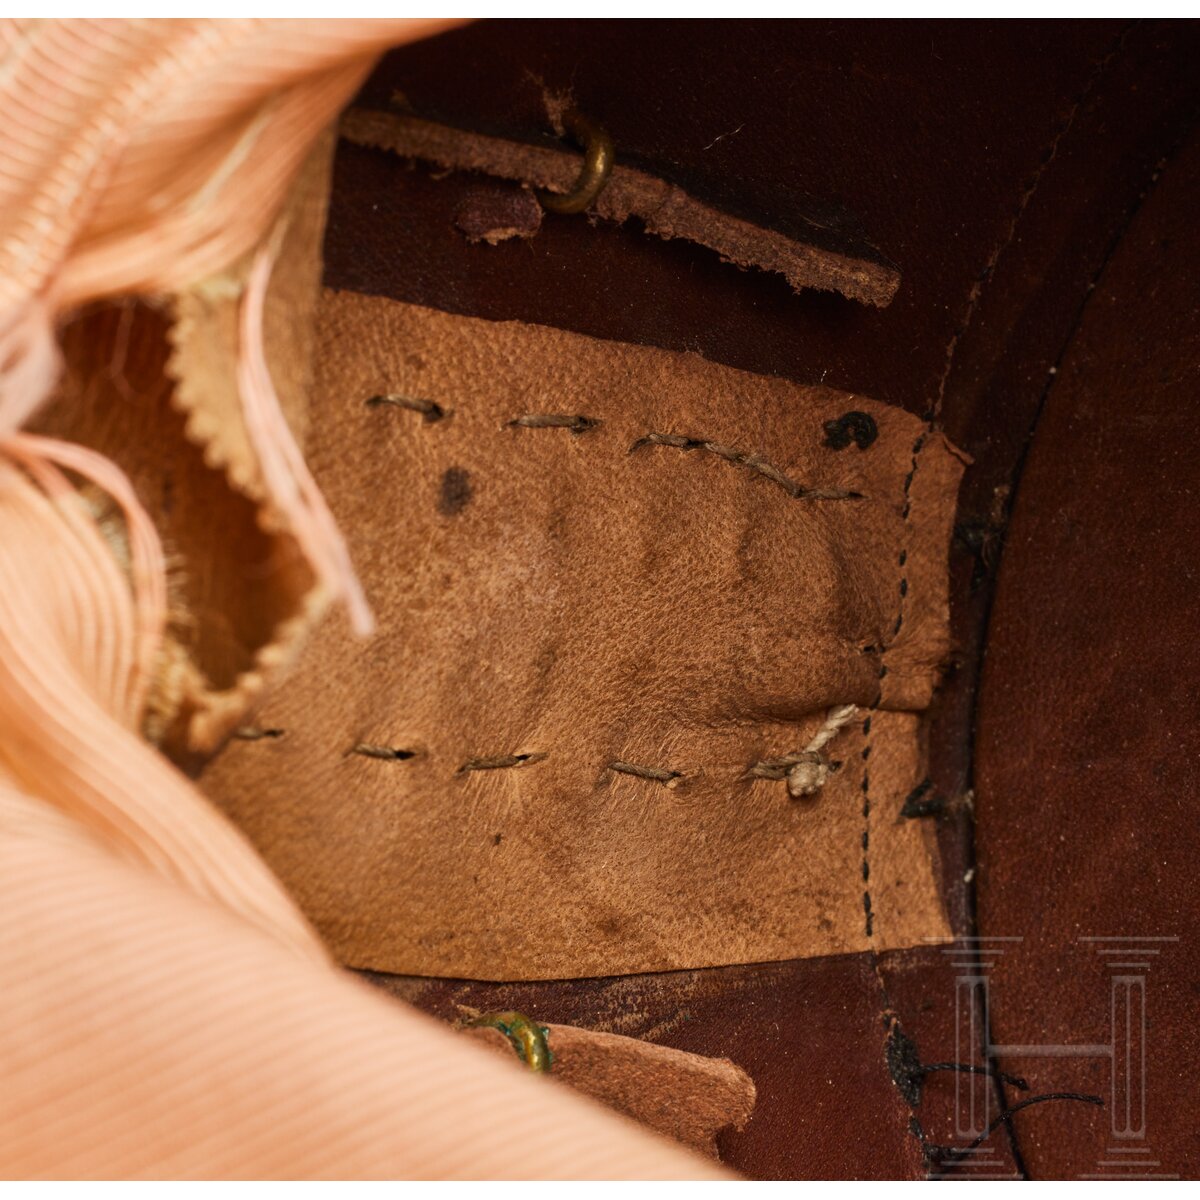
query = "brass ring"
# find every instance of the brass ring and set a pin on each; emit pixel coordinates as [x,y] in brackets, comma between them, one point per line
[598,156]
[528,1038]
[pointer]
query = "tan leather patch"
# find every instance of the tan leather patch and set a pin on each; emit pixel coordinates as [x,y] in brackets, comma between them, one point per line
[587,556]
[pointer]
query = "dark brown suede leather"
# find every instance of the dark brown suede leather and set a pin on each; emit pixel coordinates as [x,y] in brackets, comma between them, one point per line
[609,580]
[1089,739]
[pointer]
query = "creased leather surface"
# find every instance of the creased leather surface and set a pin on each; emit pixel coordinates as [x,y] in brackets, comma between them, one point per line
[688,1097]
[542,592]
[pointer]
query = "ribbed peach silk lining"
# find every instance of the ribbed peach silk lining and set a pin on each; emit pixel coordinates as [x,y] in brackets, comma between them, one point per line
[165,1010]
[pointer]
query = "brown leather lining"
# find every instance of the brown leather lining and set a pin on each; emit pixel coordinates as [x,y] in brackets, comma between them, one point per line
[1001,213]
[1089,746]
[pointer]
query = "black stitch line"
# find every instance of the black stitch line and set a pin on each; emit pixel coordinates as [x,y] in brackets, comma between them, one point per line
[891,1021]
[576,423]
[908,1072]
[252,733]
[752,462]
[431,410]
[902,588]
[865,785]
[505,760]
[386,753]
[939,1155]
[658,774]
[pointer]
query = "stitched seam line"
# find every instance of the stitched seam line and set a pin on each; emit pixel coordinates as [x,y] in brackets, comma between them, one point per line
[888,1015]
[902,590]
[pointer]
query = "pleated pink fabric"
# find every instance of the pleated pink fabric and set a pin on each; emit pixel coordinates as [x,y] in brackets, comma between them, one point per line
[165,1010]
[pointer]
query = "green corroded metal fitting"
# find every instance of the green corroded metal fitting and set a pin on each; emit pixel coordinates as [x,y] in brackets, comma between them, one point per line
[529,1039]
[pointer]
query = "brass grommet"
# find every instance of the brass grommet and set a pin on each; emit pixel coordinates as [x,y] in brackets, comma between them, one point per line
[598,156]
